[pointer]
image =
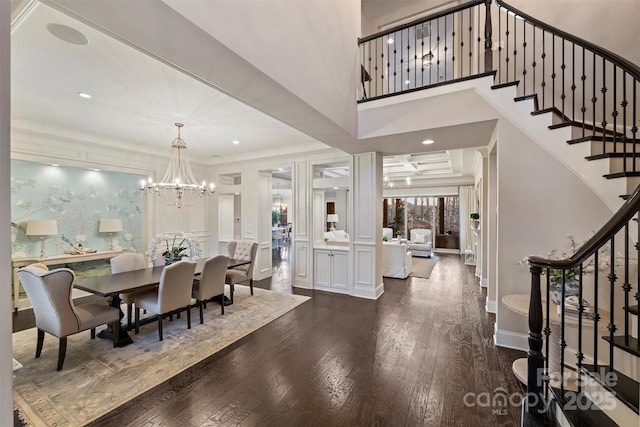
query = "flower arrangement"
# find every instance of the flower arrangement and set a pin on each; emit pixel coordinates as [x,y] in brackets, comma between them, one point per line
[173,247]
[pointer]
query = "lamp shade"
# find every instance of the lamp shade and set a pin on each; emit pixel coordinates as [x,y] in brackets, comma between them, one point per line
[332,218]
[42,227]
[110,225]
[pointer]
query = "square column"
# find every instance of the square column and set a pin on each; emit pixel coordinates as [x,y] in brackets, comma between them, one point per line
[366,226]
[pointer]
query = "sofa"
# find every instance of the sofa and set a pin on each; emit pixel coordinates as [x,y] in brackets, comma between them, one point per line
[336,237]
[396,261]
[421,242]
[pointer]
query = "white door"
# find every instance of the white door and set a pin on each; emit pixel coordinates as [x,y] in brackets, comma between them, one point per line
[322,270]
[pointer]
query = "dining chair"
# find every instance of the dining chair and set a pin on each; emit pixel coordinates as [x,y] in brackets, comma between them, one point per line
[55,312]
[243,250]
[129,262]
[173,294]
[211,283]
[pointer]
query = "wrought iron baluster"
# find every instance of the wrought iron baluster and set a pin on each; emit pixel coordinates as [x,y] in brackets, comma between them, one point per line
[533,56]
[614,114]
[488,34]
[580,354]
[453,47]
[594,99]
[563,95]
[547,334]
[470,43]
[562,343]
[573,82]
[543,56]
[612,281]
[626,286]
[624,120]
[499,46]
[553,71]
[479,38]
[524,57]
[445,49]
[584,93]
[604,106]
[515,47]
[596,315]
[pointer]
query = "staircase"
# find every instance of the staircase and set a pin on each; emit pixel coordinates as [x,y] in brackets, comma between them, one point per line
[581,103]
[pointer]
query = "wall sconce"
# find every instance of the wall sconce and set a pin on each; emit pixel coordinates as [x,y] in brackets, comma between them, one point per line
[42,228]
[111,226]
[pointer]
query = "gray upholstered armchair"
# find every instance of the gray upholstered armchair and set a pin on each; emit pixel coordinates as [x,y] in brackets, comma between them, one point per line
[50,296]
[244,250]
[421,242]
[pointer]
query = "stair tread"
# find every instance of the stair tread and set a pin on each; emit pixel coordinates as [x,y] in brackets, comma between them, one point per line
[633,309]
[598,138]
[545,111]
[586,126]
[613,155]
[524,97]
[626,389]
[621,174]
[618,341]
[592,417]
[501,85]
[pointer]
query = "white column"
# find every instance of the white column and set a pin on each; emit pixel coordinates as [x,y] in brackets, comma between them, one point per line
[484,215]
[256,214]
[366,225]
[492,234]
[302,230]
[6,359]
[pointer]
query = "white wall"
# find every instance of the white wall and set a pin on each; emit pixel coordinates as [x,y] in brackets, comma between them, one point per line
[540,202]
[6,364]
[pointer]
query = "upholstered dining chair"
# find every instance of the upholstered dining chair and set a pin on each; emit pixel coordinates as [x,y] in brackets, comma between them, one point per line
[211,283]
[129,262]
[244,250]
[55,312]
[173,293]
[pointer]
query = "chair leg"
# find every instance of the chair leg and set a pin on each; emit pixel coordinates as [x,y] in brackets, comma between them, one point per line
[201,307]
[232,289]
[115,327]
[160,327]
[129,313]
[251,285]
[188,317]
[40,342]
[222,303]
[62,350]
[93,333]
[178,314]
[137,320]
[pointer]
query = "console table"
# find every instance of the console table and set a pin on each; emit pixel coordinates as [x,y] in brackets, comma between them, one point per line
[53,260]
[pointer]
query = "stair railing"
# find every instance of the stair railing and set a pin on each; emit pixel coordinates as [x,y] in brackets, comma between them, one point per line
[587,86]
[600,251]
[441,48]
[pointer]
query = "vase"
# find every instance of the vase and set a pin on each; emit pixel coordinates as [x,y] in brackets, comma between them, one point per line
[570,289]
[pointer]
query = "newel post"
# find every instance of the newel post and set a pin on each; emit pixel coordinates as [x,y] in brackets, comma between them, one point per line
[535,358]
[488,33]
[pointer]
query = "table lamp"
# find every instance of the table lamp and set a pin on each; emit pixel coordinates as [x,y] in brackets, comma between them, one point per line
[111,226]
[42,228]
[332,218]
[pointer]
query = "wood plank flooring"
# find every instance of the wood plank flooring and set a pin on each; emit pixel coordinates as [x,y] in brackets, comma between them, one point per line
[409,358]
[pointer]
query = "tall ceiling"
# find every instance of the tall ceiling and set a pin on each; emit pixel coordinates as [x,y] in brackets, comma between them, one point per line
[136,99]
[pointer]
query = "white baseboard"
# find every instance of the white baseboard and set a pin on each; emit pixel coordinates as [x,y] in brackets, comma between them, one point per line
[490,306]
[511,340]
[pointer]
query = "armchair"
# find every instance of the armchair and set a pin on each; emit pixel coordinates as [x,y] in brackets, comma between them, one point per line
[421,242]
[50,295]
[396,261]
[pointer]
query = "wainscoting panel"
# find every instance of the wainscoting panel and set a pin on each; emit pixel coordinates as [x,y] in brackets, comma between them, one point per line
[301,274]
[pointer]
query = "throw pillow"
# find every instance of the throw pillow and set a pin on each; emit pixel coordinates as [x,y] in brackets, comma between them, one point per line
[419,239]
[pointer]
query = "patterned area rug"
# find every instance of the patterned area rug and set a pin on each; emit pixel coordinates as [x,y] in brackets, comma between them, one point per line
[96,378]
[422,267]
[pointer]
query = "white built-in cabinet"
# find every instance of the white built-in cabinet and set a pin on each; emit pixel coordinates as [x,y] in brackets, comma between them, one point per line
[331,270]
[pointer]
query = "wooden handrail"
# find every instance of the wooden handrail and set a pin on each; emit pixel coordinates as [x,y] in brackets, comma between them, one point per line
[628,66]
[610,228]
[418,21]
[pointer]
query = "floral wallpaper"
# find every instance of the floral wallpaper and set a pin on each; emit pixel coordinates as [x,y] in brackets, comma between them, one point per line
[77,198]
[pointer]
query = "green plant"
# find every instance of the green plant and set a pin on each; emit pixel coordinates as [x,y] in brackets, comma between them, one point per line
[275,217]
[475,215]
[385,238]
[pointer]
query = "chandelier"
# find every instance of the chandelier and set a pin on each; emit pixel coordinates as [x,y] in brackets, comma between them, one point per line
[178,186]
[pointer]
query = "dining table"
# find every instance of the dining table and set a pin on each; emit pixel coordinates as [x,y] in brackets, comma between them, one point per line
[132,281]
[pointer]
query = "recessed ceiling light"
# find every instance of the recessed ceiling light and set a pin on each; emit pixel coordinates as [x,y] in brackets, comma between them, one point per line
[335,188]
[281,169]
[408,181]
[96,170]
[428,141]
[390,40]
[84,95]
[67,34]
[237,194]
[236,142]
[55,165]
[391,184]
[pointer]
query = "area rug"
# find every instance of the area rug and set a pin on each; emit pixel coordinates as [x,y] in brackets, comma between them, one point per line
[422,267]
[96,378]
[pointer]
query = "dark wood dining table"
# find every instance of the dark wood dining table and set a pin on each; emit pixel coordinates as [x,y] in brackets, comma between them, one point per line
[131,281]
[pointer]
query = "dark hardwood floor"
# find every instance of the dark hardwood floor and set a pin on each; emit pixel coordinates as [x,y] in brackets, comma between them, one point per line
[413,357]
